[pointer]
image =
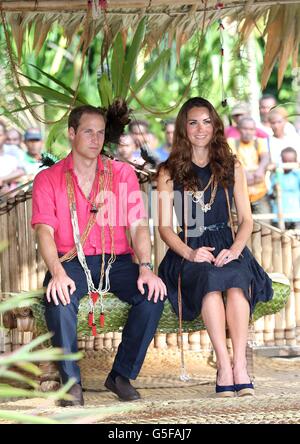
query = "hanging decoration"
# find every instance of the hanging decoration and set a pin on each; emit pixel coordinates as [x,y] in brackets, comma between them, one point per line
[221,28]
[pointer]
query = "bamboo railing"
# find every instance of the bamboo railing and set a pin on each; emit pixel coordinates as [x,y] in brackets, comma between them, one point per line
[22,269]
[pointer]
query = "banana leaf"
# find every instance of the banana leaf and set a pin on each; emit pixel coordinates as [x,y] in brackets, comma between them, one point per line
[51,95]
[117,64]
[105,90]
[131,57]
[150,72]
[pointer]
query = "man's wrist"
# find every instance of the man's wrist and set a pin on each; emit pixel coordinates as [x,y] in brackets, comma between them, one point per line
[147,265]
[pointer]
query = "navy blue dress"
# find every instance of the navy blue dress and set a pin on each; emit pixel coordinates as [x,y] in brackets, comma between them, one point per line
[200,278]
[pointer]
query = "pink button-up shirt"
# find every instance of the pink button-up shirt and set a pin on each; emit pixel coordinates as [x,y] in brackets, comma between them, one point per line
[123,207]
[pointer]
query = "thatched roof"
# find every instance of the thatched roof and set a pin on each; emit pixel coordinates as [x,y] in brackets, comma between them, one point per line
[179,20]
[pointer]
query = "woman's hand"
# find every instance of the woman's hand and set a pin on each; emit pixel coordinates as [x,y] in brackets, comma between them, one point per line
[225,256]
[202,254]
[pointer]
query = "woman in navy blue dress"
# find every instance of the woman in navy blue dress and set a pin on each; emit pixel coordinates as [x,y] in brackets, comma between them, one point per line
[210,262]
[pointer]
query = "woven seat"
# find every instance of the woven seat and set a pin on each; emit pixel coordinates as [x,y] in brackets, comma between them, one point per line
[116,312]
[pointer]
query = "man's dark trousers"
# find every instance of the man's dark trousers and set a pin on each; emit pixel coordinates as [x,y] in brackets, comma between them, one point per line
[140,327]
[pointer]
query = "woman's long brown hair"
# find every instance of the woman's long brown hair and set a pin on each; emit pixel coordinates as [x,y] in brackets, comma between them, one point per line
[179,164]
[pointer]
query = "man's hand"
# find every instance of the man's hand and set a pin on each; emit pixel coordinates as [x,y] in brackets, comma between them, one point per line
[58,288]
[202,254]
[259,175]
[250,178]
[155,284]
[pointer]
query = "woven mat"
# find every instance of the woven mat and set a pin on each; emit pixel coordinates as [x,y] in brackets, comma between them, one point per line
[277,399]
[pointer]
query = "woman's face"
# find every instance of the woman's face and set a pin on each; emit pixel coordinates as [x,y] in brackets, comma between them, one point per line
[199,127]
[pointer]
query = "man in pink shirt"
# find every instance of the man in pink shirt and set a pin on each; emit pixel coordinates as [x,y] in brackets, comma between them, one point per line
[81,208]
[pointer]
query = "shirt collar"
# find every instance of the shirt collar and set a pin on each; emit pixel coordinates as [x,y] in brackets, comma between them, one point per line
[69,163]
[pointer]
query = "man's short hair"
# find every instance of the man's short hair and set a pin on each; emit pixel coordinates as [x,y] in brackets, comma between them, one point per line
[167,122]
[267,97]
[76,114]
[138,123]
[245,119]
[288,150]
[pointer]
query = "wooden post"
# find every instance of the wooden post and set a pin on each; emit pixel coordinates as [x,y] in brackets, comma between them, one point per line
[296,279]
[171,340]
[14,265]
[290,321]
[257,253]
[266,243]
[194,340]
[277,267]
[4,254]
[32,244]
[22,241]
[160,340]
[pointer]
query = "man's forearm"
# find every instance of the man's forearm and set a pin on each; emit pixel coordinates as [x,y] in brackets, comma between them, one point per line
[48,251]
[141,243]
[12,176]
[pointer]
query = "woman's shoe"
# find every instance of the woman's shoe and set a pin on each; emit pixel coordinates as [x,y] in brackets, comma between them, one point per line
[244,389]
[224,391]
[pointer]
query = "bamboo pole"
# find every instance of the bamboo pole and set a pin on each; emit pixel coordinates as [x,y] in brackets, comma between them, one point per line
[290,321]
[160,340]
[194,339]
[14,264]
[257,253]
[277,267]
[32,250]
[22,240]
[4,255]
[296,279]
[266,244]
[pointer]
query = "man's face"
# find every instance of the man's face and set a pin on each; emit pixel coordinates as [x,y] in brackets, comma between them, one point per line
[247,130]
[13,138]
[126,147]
[289,157]
[34,147]
[277,123]
[139,135]
[170,133]
[87,142]
[264,107]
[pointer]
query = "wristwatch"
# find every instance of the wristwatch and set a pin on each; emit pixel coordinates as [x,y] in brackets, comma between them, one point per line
[147,265]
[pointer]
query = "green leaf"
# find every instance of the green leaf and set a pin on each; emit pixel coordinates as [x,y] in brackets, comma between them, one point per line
[150,72]
[8,374]
[58,82]
[56,129]
[105,90]
[131,56]
[51,94]
[23,418]
[20,300]
[117,63]
[29,367]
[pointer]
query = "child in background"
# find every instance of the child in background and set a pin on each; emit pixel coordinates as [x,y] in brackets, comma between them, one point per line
[289,182]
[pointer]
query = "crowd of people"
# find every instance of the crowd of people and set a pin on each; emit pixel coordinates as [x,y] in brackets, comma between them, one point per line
[20,156]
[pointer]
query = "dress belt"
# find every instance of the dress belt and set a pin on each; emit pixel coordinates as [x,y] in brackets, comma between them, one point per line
[213,227]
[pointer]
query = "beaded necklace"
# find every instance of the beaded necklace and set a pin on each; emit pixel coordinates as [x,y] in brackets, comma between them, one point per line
[104,185]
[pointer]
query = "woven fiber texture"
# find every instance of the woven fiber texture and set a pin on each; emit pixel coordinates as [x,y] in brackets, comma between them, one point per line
[116,314]
[277,399]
